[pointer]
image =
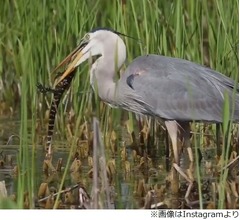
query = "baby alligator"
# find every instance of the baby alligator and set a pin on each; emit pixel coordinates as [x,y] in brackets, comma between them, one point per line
[58,91]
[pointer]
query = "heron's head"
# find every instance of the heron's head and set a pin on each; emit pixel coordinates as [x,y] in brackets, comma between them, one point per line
[103,42]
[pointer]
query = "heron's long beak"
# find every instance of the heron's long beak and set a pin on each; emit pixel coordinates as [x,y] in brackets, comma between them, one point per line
[73,58]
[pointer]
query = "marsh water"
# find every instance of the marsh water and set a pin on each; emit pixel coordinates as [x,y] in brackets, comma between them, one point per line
[9,152]
[137,176]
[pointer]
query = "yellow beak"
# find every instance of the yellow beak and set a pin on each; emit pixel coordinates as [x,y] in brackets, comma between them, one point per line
[74,57]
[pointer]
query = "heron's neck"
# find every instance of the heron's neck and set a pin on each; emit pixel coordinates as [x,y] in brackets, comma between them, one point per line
[103,71]
[102,77]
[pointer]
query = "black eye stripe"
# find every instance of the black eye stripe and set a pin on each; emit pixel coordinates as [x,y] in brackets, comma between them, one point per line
[115,32]
[103,29]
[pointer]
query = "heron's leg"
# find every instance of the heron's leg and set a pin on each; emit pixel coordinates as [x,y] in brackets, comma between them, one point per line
[167,153]
[185,133]
[172,128]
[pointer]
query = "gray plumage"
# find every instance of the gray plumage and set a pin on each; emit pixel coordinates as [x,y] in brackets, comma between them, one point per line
[176,89]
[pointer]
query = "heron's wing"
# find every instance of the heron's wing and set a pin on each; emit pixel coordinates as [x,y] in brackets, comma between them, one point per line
[178,89]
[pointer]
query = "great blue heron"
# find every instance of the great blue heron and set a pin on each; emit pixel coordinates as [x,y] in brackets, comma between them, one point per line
[175,91]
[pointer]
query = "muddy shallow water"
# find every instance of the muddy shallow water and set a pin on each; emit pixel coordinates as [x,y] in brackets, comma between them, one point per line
[135,178]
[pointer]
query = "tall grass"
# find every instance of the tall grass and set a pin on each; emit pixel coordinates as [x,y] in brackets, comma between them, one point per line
[36,35]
